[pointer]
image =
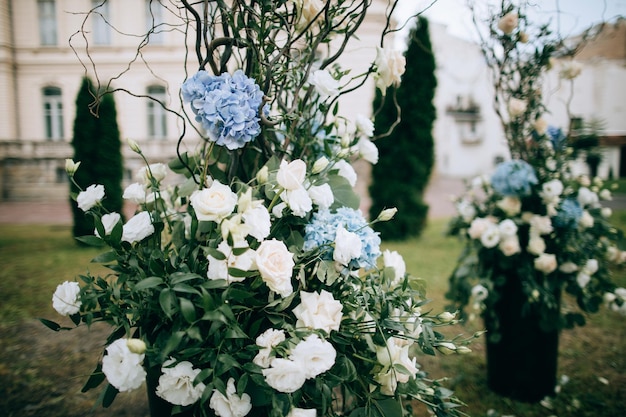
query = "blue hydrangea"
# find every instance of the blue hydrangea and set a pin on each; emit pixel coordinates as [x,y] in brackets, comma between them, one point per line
[514,178]
[226,106]
[569,214]
[556,137]
[322,229]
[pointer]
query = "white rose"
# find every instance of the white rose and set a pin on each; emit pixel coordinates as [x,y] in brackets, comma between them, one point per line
[479,293]
[123,368]
[218,268]
[321,195]
[158,172]
[176,383]
[302,412]
[368,150]
[478,227]
[214,203]
[108,222]
[586,220]
[516,107]
[324,83]
[507,228]
[387,381]
[582,279]
[606,195]
[364,125]
[298,201]
[508,22]
[259,221]
[318,311]
[511,206]
[591,266]
[275,263]
[392,259]
[347,171]
[491,236]
[284,375]
[586,197]
[308,11]
[314,355]
[542,225]
[390,65]
[137,228]
[546,263]
[65,298]
[551,189]
[278,209]
[509,246]
[291,175]
[570,70]
[536,245]
[135,192]
[270,338]
[90,197]
[347,246]
[466,210]
[231,404]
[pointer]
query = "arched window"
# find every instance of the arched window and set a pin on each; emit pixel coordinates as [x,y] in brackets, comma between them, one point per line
[157,122]
[53,113]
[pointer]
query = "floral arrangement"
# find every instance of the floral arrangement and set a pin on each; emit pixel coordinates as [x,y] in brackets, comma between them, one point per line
[248,282]
[532,219]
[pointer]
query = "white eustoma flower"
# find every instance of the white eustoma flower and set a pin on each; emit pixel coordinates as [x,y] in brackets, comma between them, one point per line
[387,381]
[582,279]
[397,353]
[536,244]
[231,404]
[320,164]
[517,107]
[586,220]
[275,263]
[284,375]
[546,263]
[491,236]
[541,225]
[509,245]
[65,298]
[90,197]
[568,267]
[291,175]
[214,203]
[157,171]
[259,222]
[267,340]
[347,246]
[367,150]
[137,228]
[321,195]
[324,83]
[605,195]
[364,125]
[390,65]
[318,311]
[135,192]
[507,228]
[478,226]
[479,293]
[176,383]
[218,268]
[551,191]
[347,171]
[123,368]
[109,221]
[298,201]
[302,412]
[466,210]
[586,197]
[392,259]
[511,206]
[308,11]
[314,355]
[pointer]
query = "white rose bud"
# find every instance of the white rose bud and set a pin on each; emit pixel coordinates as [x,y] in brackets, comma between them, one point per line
[320,165]
[262,175]
[137,346]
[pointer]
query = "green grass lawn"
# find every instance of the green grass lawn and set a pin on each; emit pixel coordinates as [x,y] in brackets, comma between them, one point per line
[41,372]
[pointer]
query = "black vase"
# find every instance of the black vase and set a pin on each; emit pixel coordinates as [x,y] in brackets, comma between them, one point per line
[522,361]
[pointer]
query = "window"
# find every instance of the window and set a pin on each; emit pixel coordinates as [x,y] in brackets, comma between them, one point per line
[154,22]
[47,22]
[157,123]
[53,113]
[100,18]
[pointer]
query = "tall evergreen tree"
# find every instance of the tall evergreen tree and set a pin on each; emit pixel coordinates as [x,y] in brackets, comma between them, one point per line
[406,157]
[96,143]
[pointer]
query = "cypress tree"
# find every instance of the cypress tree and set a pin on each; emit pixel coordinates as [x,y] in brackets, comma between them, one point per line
[96,143]
[406,157]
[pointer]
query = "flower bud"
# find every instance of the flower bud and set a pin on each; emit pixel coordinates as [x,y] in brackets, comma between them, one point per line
[71,166]
[462,350]
[134,146]
[320,165]
[446,316]
[137,346]
[387,214]
[523,37]
[446,348]
[262,175]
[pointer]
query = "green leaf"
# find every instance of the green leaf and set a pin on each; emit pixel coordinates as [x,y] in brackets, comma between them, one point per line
[51,324]
[187,289]
[95,379]
[146,283]
[105,257]
[167,300]
[215,254]
[178,277]
[91,241]
[108,395]
[188,310]
[343,192]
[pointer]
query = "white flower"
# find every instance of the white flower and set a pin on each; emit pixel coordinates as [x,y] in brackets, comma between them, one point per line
[387,380]
[218,268]
[308,11]
[568,267]
[540,126]
[235,228]
[278,209]
[605,194]
[176,383]
[466,210]
[284,375]
[324,83]
[507,228]
[546,263]
[123,368]
[536,244]
[90,197]
[397,353]
[606,212]
[491,236]
[347,246]
[591,266]
[392,259]
[158,172]
[298,201]
[586,197]
[511,206]
[582,279]
[478,226]
[109,221]
[302,412]
[364,125]
[275,263]
[214,203]
[267,340]
[320,164]
[71,167]
[368,150]
[508,22]
[551,190]
[137,346]
[321,195]
[509,245]
[135,192]
[263,175]
[259,222]
[390,65]
[314,355]
[291,175]
[137,228]
[541,225]
[570,70]
[347,171]
[586,220]
[65,298]
[386,214]
[479,293]
[517,107]
[231,404]
[318,311]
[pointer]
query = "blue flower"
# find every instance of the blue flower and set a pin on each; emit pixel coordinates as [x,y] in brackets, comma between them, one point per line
[569,214]
[556,137]
[322,230]
[514,178]
[226,106]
